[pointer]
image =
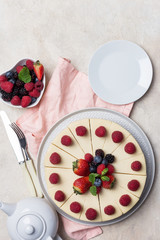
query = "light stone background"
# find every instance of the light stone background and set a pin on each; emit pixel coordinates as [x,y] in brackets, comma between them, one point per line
[74,29]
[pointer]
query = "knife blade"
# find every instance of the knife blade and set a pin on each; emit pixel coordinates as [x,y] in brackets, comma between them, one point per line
[18,151]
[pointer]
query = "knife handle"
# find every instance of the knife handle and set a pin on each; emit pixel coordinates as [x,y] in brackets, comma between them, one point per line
[28,180]
[34,177]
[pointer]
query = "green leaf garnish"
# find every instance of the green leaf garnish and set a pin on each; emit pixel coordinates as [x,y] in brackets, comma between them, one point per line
[105,178]
[104,171]
[92,177]
[93,190]
[24,75]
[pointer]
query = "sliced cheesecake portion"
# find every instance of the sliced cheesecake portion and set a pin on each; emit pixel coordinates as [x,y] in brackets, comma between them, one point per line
[124,179]
[98,142]
[65,158]
[125,165]
[81,131]
[106,199]
[73,148]
[109,144]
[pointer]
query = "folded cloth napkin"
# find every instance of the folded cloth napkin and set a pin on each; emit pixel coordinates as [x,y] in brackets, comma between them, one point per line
[68,90]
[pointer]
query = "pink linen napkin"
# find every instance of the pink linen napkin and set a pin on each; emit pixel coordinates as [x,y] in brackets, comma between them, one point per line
[68,90]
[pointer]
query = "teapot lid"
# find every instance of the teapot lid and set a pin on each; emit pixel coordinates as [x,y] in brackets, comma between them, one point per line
[30,227]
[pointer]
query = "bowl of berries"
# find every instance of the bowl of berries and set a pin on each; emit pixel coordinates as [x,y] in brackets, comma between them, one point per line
[23,85]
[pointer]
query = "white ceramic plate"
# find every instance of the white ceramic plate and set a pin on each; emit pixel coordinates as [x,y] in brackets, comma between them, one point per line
[120,72]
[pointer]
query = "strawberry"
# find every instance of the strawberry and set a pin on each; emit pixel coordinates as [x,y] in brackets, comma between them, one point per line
[109,184]
[81,185]
[38,69]
[81,167]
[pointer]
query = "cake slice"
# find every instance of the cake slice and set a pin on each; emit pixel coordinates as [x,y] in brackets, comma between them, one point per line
[81,131]
[70,144]
[95,124]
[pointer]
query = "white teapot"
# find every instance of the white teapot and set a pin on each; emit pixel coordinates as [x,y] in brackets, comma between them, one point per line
[31,219]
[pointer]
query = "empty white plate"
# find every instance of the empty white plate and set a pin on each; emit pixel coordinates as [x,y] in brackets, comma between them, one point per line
[120,72]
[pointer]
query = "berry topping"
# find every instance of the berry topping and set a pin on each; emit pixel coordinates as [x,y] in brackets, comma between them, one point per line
[109,210]
[75,207]
[117,136]
[100,131]
[66,140]
[97,159]
[39,86]
[9,74]
[100,168]
[16,101]
[91,214]
[110,169]
[55,158]
[99,189]
[108,184]
[133,185]
[130,148]
[34,93]
[105,162]
[93,169]
[88,157]
[109,158]
[54,178]
[59,196]
[97,182]
[29,86]
[81,185]
[125,200]
[81,167]
[81,131]
[136,166]
[29,64]
[7,86]
[99,152]
[26,100]
[38,69]
[19,68]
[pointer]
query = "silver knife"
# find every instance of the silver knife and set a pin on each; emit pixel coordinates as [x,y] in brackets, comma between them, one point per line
[18,151]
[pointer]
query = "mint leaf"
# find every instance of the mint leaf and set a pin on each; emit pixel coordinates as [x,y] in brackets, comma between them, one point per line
[92,178]
[105,178]
[104,171]
[93,190]
[96,175]
[24,75]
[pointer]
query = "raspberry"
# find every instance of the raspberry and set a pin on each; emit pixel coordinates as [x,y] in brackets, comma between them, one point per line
[136,166]
[81,131]
[59,196]
[125,200]
[55,158]
[34,93]
[100,131]
[117,136]
[75,207]
[110,169]
[133,185]
[54,178]
[99,189]
[2,78]
[130,148]
[100,168]
[91,214]
[26,100]
[66,140]
[19,68]
[99,152]
[39,86]
[109,210]
[16,100]
[29,86]
[29,64]
[7,86]
[88,157]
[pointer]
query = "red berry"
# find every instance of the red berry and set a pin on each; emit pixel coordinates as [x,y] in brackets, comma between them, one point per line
[66,140]
[55,158]
[109,210]
[81,131]
[136,166]
[130,148]
[98,189]
[100,131]
[91,214]
[54,178]
[34,93]
[26,100]
[59,196]
[29,64]
[7,86]
[88,157]
[39,86]
[16,100]
[29,86]
[19,68]
[2,78]
[125,200]
[117,136]
[110,169]
[75,207]
[100,168]
[133,185]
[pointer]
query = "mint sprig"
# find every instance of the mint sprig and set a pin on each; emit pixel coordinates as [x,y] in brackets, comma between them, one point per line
[24,75]
[93,190]
[104,171]
[105,178]
[92,177]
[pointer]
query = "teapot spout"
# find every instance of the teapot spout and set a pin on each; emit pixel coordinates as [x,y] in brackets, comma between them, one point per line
[7,208]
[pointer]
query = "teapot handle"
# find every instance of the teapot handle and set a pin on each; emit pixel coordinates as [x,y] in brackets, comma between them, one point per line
[57,237]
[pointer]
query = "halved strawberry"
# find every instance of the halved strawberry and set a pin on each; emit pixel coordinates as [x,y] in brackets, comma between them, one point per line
[109,184]
[81,185]
[38,69]
[81,167]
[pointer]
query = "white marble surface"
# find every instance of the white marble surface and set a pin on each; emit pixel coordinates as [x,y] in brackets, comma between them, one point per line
[75,29]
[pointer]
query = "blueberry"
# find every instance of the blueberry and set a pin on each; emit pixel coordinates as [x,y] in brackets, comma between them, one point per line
[9,74]
[98,182]
[105,162]
[33,100]
[12,80]
[36,80]
[93,169]
[97,159]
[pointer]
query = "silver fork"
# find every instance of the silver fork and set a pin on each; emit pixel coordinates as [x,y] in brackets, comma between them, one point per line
[29,162]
